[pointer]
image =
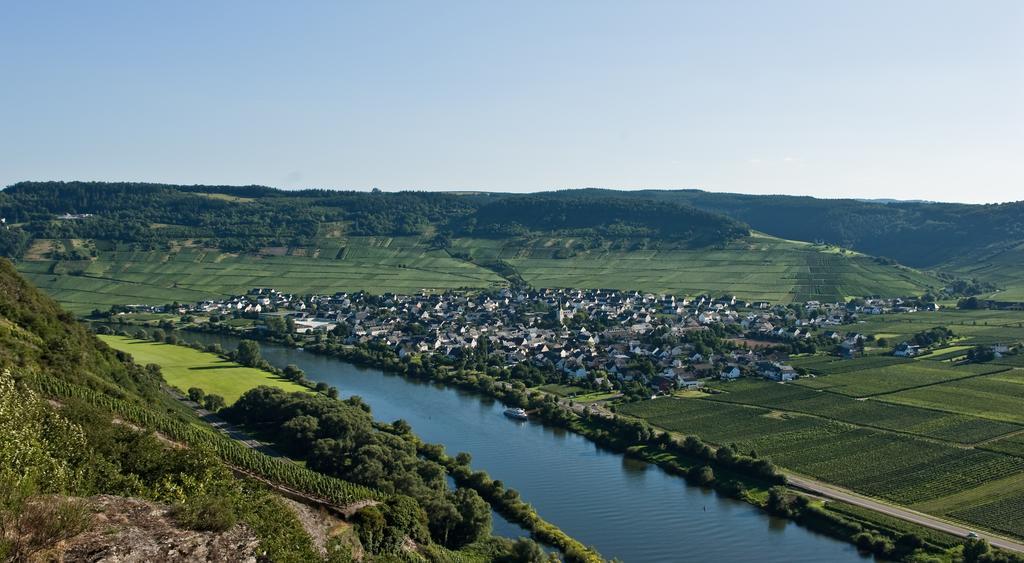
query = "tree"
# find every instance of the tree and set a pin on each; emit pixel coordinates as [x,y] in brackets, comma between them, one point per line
[302,430]
[213,403]
[158,335]
[370,524]
[196,394]
[474,518]
[981,354]
[401,426]
[248,353]
[294,373]
[702,475]
[975,549]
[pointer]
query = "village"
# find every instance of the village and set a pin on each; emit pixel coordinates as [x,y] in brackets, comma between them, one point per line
[602,339]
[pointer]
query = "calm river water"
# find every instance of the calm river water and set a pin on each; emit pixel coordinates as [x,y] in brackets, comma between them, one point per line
[625,508]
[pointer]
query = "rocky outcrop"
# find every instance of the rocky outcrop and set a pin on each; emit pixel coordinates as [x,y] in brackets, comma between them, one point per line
[126,530]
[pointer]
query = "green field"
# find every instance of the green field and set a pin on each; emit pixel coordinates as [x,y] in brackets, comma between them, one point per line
[896,467]
[1001,264]
[373,264]
[184,367]
[758,267]
[1013,445]
[998,396]
[562,390]
[972,326]
[831,365]
[895,377]
[928,423]
[947,353]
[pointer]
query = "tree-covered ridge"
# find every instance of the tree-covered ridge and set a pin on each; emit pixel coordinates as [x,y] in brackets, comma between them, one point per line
[604,216]
[246,218]
[919,234]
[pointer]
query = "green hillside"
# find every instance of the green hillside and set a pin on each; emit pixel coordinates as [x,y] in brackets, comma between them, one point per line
[154,244]
[755,267]
[72,445]
[919,234]
[1001,264]
[376,264]
[79,420]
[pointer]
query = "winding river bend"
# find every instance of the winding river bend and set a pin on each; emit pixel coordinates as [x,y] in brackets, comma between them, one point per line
[623,507]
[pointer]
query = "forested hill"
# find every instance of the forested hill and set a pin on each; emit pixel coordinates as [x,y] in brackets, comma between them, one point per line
[919,234]
[604,216]
[246,218]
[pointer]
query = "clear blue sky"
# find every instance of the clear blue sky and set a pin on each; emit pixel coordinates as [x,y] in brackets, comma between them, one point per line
[859,98]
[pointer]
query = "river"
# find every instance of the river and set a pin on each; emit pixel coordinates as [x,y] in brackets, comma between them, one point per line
[623,507]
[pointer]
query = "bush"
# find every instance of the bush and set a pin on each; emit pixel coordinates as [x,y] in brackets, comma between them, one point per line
[206,513]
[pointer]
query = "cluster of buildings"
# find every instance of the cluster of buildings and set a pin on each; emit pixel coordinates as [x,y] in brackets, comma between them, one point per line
[601,336]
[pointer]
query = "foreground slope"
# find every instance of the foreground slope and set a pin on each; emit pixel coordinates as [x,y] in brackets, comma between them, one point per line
[72,471]
[84,431]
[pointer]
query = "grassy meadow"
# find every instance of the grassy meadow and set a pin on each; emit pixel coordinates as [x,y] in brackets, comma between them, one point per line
[184,367]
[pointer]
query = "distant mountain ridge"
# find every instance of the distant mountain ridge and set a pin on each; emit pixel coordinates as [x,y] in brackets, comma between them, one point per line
[248,217]
[91,242]
[919,234]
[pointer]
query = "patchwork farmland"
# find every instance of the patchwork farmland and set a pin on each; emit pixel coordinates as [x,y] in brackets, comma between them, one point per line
[943,439]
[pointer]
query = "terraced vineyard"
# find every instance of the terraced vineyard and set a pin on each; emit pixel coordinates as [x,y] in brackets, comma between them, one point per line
[118,276]
[972,326]
[896,467]
[1013,445]
[830,365]
[894,377]
[997,397]
[912,420]
[1014,361]
[1004,515]
[759,267]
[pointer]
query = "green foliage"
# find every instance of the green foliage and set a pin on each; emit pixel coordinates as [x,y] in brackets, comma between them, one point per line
[914,233]
[28,526]
[208,513]
[213,403]
[248,353]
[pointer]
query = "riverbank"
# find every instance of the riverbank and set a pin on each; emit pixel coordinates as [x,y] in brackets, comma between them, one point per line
[510,506]
[731,475]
